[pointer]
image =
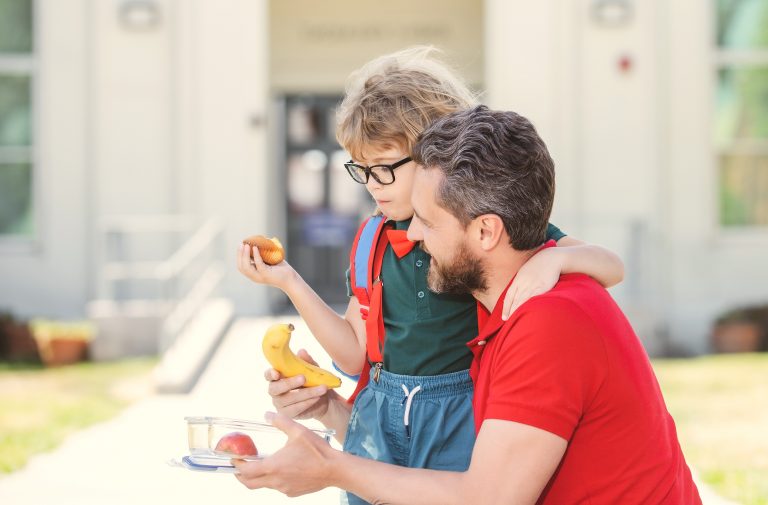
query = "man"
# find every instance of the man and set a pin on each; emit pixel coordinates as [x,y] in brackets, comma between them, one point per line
[567,407]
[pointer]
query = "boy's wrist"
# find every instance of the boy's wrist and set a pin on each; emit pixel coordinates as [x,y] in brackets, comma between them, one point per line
[336,415]
[561,257]
[291,283]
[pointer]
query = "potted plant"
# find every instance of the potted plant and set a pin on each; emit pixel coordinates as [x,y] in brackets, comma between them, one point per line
[62,343]
[16,341]
[740,330]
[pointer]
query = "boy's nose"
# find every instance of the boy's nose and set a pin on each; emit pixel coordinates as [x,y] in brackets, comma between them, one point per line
[372,184]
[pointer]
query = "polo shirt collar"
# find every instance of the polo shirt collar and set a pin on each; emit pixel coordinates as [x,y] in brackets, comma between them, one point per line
[489,323]
[400,225]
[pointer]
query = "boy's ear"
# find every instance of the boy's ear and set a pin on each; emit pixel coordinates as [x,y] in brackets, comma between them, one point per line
[490,230]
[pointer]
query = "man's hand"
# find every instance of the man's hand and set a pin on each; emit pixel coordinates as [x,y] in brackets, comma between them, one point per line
[302,466]
[294,401]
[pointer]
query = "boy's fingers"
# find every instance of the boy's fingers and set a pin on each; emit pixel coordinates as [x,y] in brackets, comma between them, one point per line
[299,395]
[246,262]
[282,386]
[521,298]
[303,354]
[509,302]
[298,408]
[256,260]
[272,375]
[240,253]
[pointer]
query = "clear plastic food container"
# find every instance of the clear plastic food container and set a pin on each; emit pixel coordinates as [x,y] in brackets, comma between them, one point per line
[206,433]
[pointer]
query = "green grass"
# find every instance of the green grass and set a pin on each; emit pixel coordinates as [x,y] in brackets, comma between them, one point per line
[39,407]
[720,406]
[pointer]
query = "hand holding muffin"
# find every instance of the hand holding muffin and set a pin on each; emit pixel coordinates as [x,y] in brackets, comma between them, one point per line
[262,260]
[270,249]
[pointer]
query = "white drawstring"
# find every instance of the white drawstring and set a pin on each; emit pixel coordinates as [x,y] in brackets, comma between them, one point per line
[408,399]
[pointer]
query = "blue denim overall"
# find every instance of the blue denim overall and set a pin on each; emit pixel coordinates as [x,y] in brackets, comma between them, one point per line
[413,421]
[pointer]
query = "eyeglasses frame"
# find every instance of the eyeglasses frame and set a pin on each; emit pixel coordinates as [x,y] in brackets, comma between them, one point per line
[368,171]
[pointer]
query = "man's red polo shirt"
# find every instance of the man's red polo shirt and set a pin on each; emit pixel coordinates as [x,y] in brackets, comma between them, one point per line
[568,362]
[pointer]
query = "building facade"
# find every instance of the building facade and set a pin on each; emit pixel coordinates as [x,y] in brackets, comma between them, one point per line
[127,124]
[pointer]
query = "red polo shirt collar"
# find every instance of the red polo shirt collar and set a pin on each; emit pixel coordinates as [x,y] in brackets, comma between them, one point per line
[489,323]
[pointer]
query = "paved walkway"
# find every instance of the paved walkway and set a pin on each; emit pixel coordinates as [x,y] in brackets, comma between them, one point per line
[124,461]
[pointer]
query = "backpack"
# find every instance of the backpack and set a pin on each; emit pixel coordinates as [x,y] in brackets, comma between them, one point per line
[365,261]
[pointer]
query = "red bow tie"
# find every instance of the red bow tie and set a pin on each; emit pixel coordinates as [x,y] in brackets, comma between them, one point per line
[399,242]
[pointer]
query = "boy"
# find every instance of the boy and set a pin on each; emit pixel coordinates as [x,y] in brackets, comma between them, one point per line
[416,409]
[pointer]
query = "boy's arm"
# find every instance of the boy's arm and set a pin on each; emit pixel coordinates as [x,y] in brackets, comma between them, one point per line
[317,402]
[601,264]
[343,338]
[540,273]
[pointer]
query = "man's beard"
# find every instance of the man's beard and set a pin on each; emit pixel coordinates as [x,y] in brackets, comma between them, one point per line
[465,274]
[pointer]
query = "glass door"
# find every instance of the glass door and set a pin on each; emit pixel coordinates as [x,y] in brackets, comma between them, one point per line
[324,206]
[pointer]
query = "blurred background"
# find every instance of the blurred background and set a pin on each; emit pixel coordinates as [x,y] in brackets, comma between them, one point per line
[142,140]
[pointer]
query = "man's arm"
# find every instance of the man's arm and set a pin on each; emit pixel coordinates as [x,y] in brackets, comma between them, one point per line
[511,463]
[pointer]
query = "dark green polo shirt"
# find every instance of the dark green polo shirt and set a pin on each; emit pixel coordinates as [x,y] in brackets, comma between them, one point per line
[426,333]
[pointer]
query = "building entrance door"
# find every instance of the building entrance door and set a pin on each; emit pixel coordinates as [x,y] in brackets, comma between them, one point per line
[323,205]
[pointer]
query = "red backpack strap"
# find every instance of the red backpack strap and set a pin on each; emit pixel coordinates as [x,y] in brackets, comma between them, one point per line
[374,325]
[367,256]
[361,260]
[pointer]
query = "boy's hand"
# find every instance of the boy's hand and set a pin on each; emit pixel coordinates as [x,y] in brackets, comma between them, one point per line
[292,400]
[538,275]
[254,268]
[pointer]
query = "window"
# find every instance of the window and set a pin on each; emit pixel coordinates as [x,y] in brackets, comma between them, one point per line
[741,121]
[16,118]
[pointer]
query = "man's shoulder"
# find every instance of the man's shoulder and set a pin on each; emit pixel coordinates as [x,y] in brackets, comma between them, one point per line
[577,309]
[574,306]
[573,292]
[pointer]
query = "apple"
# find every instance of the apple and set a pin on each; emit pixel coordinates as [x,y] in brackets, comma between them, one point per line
[237,443]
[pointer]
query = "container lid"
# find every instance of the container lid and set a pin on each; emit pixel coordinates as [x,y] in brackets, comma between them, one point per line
[242,423]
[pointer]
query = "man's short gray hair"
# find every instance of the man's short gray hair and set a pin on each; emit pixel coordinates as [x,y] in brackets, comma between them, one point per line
[494,163]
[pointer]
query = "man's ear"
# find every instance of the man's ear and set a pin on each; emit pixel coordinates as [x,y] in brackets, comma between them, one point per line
[490,229]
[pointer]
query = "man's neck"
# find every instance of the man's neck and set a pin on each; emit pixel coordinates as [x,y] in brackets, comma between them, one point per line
[501,267]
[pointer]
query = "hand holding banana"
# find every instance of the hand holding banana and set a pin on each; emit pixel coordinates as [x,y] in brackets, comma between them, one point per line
[279,354]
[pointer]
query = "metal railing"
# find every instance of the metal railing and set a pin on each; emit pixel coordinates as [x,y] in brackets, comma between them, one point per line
[178,285]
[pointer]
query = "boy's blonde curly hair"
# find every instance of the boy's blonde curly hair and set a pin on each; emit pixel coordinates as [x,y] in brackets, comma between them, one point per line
[392,99]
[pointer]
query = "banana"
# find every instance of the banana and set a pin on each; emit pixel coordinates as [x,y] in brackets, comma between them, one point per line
[282,359]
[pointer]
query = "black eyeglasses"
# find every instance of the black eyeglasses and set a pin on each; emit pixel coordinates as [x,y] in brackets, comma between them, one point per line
[383,174]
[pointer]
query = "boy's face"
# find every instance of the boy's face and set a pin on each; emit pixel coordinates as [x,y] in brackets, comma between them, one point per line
[394,199]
